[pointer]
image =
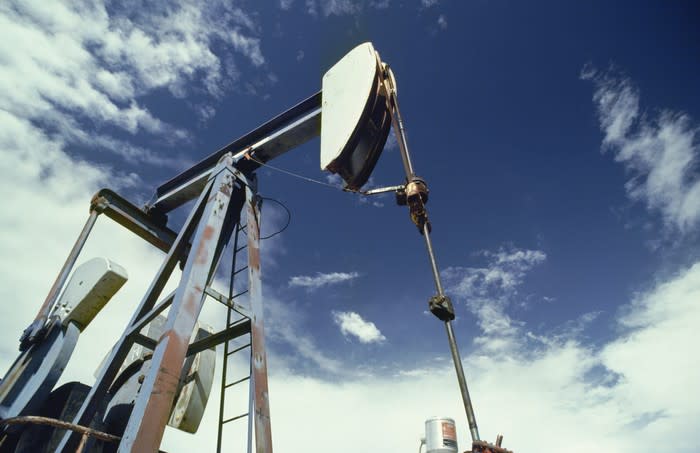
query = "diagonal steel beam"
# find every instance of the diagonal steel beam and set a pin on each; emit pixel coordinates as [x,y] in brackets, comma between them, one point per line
[152,407]
[121,349]
[286,131]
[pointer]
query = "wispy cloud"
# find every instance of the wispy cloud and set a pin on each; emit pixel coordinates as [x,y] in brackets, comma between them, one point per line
[332,7]
[442,21]
[660,151]
[352,324]
[78,73]
[321,279]
[335,180]
[287,326]
[429,3]
[391,141]
[338,7]
[490,290]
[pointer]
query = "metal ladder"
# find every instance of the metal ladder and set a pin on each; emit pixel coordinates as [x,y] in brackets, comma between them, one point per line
[234,317]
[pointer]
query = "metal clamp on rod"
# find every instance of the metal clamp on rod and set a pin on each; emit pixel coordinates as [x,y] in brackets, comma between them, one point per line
[415,195]
[441,306]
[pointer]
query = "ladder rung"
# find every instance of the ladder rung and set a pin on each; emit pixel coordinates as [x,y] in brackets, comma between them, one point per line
[239,294]
[241,248]
[234,418]
[240,270]
[238,321]
[236,382]
[240,348]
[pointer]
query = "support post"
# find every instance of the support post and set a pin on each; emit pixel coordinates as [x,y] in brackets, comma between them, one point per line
[261,403]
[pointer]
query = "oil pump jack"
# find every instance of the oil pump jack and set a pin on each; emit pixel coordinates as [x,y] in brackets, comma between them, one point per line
[160,370]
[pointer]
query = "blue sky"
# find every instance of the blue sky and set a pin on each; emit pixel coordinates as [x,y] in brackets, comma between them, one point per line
[560,144]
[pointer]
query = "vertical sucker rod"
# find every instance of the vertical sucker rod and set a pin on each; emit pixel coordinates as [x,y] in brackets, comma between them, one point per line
[399,129]
[456,358]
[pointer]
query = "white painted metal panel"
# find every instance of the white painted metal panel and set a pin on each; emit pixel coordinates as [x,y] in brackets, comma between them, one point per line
[188,409]
[347,90]
[91,286]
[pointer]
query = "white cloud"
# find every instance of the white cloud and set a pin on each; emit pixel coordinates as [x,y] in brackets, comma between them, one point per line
[489,291]
[442,21]
[334,179]
[351,323]
[380,4]
[286,325]
[428,3]
[635,390]
[75,71]
[660,151]
[322,279]
[392,142]
[247,46]
[40,222]
[340,7]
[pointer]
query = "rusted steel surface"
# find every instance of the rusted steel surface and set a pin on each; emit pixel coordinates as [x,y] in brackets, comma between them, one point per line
[151,228]
[292,128]
[83,442]
[263,431]
[214,339]
[36,420]
[116,357]
[481,446]
[30,333]
[154,403]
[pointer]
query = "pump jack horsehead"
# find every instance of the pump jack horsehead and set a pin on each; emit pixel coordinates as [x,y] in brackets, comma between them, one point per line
[160,370]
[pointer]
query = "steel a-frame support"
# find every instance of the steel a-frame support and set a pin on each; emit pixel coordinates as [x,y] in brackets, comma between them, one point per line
[201,240]
[260,397]
[152,407]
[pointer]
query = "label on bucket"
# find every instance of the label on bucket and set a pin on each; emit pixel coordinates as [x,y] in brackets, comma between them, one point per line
[449,436]
[448,431]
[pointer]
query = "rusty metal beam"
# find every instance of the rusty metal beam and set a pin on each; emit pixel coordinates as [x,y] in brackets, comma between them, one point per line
[152,407]
[55,423]
[153,230]
[226,301]
[151,315]
[205,343]
[261,398]
[214,339]
[145,341]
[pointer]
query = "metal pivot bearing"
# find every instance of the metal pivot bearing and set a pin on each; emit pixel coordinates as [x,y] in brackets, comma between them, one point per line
[415,195]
